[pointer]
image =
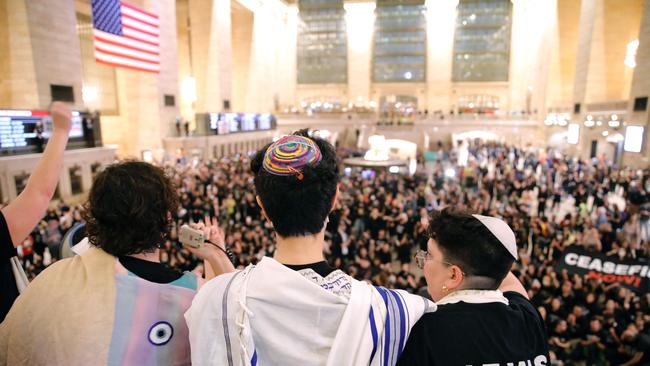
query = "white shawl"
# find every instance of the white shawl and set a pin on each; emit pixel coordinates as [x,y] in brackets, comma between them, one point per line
[269,314]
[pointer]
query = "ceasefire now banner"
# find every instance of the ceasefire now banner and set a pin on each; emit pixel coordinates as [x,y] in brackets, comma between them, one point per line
[633,274]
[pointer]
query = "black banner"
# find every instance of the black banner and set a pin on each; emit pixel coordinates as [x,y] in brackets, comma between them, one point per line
[633,274]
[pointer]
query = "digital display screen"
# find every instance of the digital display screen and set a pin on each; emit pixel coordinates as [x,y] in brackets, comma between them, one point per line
[265,121]
[213,120]
[232,119]
[222,125]
[214,123]
[22,131]
[633,138]
[76,130]
[249,122]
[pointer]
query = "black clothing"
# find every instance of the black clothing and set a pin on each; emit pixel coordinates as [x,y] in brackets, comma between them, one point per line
[8,289]
[476,334]
[322,268]
[150,271]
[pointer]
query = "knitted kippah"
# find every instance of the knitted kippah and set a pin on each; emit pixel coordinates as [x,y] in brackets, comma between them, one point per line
[290,154]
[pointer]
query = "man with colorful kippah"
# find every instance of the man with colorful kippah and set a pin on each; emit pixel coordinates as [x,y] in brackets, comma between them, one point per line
[294,309]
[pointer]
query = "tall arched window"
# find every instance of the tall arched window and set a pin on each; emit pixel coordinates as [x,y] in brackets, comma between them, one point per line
[482,40]
[399,53]
[322,42]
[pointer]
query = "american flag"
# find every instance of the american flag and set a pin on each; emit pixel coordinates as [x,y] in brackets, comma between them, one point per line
[126,36]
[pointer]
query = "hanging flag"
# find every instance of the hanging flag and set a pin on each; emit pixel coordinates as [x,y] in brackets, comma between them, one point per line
[126,36]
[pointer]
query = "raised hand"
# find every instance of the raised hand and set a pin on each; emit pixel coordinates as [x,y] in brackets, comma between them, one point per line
[214,234]
[215,251]
[61,117]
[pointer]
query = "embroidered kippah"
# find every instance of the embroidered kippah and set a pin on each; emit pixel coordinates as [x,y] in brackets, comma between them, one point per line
[290,154]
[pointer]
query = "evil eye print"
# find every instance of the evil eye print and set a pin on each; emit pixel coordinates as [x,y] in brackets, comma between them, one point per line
[160,333]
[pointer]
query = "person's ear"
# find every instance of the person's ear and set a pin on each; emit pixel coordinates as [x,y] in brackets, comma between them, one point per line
[259,202]
[456,277]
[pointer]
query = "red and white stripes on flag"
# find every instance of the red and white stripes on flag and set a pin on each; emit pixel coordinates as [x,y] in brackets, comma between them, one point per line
[126,36]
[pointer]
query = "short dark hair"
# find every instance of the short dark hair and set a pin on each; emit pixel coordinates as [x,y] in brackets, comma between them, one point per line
[298,207]
[128,208]
[467,243]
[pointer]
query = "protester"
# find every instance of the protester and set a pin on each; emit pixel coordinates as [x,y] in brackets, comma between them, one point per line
[294,308]
[20,217]
[115,303]
[510,183]
[484,315]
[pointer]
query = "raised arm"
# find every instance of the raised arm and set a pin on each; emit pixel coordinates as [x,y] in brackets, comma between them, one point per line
[24,213]
[512,283]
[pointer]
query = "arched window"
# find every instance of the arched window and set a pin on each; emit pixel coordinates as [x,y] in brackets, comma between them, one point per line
[482,40]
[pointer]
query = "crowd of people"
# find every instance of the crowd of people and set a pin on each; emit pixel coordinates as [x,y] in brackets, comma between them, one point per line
[550,201]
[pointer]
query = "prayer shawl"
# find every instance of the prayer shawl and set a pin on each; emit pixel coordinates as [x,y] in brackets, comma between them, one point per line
[89,310]
[474,297]
[269,314]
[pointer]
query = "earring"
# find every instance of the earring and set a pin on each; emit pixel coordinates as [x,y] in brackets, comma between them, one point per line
[444,288]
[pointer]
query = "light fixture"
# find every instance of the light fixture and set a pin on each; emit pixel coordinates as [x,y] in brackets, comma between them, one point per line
[615,138]
[614,123]
[589,123]
[89,94]
[188,89]
[630,55]
[605,133]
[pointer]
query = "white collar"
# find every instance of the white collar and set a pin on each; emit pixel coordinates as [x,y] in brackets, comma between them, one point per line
[474,297]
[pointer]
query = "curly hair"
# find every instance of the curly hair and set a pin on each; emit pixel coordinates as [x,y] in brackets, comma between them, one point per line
[129,208]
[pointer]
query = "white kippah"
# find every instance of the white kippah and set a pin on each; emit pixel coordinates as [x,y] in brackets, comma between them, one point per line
[501,231]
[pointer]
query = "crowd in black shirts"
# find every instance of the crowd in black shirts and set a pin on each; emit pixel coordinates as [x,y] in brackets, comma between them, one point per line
[551,202]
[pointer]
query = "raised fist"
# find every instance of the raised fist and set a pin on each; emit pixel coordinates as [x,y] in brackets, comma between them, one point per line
[61,117]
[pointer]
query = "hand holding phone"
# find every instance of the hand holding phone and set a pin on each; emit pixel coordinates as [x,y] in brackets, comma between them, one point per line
[191,237]
[195,236]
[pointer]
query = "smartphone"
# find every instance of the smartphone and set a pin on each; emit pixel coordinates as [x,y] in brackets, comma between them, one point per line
[190,237]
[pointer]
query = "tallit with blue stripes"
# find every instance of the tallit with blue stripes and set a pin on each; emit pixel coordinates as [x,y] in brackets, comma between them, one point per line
[269,314]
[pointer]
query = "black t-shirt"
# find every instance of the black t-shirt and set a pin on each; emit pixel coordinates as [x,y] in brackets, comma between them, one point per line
[150,271]
[322,267]
[8,289]
[477,334]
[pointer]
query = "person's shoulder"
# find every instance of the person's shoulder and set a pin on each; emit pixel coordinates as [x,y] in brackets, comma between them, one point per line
[219,283]
[433,324]
[208,301]
[60,267]
[521,304]
[213,291]
[68,271]
[517,299]
[444,314]
[405,297]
